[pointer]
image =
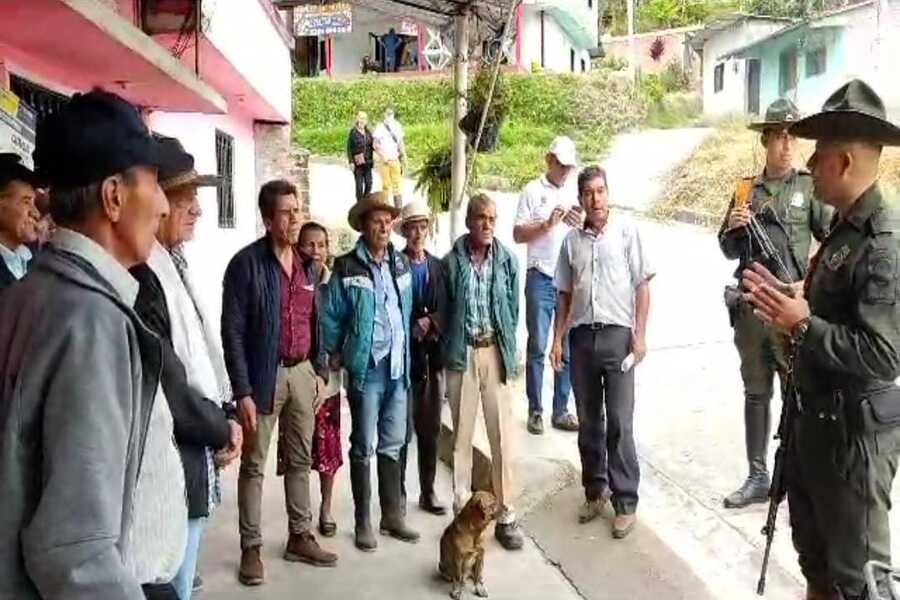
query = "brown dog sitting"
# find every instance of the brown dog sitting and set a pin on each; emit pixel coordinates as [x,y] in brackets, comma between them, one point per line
[462,545]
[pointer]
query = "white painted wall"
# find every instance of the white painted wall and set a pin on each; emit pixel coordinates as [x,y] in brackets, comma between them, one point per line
[348,49]
[213,247]
[245,34]
[732,99]
[557,46]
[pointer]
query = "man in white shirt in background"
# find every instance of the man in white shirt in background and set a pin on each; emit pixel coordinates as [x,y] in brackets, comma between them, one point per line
[18,218]
[390,153]
[548,209]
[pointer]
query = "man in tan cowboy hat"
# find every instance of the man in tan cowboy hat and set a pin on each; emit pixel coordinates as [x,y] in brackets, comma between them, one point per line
[845,333]
[365,324]
[781,201]
[426,370]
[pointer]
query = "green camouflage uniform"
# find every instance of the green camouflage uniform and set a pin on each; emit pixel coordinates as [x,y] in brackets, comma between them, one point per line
[843,455]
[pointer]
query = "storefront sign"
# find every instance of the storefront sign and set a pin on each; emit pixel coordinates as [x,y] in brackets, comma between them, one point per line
[326,19]
[408,27]
[17,125]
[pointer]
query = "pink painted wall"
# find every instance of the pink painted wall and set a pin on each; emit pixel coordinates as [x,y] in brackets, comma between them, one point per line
[674,41]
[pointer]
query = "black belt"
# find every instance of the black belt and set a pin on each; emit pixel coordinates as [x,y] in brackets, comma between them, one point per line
[482,342]
[287,363]
[596,326]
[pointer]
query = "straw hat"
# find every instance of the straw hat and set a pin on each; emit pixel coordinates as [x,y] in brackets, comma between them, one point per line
[374,201]
[413,211]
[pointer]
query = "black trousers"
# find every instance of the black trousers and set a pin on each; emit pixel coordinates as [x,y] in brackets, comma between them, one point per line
[363,176]
[426,397]
[159,591]
[604,398]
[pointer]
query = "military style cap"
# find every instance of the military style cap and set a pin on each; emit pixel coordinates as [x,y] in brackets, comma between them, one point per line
[854,112]
[780,114]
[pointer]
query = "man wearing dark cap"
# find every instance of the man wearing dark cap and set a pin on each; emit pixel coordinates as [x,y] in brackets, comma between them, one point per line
[844,326]
[365,325]
[781,203]
[92,487]
[18,218]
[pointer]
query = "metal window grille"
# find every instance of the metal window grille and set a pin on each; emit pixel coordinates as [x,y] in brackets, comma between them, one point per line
[44,102]
[719,78]
[816,61]
[225,170]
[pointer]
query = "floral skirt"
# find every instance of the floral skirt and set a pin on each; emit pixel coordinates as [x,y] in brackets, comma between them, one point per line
[327,456]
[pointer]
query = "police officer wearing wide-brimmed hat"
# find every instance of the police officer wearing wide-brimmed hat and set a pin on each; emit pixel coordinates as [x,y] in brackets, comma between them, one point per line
[781,201]
[845,331]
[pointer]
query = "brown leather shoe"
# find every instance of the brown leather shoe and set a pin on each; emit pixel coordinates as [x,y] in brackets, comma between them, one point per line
[251,571]
[622,526]
[304,548]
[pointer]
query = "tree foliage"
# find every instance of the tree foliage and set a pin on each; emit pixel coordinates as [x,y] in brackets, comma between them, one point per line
[797,9]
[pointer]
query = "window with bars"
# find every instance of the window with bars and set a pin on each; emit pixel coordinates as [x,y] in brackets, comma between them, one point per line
[225,170]
[43,101]
[787,71]
[816,61]
[719,78]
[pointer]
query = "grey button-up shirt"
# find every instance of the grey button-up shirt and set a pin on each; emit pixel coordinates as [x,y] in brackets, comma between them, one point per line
[601,272]
[389,334]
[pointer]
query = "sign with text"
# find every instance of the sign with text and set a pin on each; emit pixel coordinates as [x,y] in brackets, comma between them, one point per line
[325,19]
[17,127]
[408,27]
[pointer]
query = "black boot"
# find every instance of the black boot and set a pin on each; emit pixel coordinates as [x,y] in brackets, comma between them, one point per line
[392,519]
[757,416]
[404,453]
[427,470]
[362,495]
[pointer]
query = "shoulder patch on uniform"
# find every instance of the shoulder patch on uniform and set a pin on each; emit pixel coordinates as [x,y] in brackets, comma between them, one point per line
[798,200]
[838,257]
[881,284]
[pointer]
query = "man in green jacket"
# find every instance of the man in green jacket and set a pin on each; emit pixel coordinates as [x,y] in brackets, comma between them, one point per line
[478,315]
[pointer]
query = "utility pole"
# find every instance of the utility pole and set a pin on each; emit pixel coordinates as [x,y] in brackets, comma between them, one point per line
[460,90]
[632,46]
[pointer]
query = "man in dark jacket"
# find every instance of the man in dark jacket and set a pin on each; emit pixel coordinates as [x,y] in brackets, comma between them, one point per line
[18,218]
[193,377]
[271,352]
[79,399]
[426,372]
[360,152]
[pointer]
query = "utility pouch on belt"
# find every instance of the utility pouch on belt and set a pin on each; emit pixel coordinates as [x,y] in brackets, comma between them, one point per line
[880,409]
[733,299]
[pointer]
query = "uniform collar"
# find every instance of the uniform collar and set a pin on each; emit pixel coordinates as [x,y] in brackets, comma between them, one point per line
[863,209]
[763,182]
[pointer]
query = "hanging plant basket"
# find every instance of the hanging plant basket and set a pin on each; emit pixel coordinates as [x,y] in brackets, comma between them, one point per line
[490,136]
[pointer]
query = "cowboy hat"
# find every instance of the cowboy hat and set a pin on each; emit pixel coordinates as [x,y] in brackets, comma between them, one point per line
[413,211]
[780,114]
[854,112]
[183,173]
[373,201]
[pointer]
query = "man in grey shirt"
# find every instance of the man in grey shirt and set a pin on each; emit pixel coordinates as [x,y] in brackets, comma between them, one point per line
[602,279]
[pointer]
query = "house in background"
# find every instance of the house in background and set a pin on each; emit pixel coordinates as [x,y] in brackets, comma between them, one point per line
[656,50]
[229,104]
[731,85]
[807,61]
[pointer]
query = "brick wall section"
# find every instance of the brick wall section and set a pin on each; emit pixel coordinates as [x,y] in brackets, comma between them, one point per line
[277,159]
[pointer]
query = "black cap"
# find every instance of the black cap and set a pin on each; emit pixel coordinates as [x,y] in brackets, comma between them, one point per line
[12,169]
[181,171]
[780,114]
[853,112]
[95,135]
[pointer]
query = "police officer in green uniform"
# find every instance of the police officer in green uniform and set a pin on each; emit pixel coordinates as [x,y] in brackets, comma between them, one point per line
[781,201]
[845,330]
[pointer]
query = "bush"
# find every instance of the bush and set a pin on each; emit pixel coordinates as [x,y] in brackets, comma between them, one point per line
[652,88]
[674,78]
[614,63]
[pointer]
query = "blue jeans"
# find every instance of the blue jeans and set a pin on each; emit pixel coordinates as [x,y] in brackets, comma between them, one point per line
[381,410]
[184,580]
[540,307]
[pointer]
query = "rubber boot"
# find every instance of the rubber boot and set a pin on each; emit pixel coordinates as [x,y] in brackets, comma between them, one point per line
[427,471]
[404,453]
[392,520]
[362,495]
[757,417]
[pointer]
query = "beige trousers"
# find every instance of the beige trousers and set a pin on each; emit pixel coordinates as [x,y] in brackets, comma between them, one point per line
[295,392]
[480,384]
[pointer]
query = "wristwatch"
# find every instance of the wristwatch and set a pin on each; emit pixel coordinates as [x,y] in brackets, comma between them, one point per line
[230,408]
[798,331]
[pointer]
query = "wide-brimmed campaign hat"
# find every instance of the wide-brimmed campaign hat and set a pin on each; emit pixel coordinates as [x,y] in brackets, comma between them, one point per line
[854,112]
[374,201]
[93,136]
[411,212]
[182,173]
[12,169]
[781,114]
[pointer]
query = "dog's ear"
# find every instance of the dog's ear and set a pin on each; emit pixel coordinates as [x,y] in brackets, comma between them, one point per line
[487,505]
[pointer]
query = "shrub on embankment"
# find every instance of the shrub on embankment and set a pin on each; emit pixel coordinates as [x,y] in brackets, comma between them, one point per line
[591,108]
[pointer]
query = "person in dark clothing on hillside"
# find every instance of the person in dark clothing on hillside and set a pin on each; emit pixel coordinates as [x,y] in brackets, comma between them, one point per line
[360,147]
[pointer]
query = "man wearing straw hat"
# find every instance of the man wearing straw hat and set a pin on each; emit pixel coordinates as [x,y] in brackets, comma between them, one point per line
[781,202]
[426,371]
[844,326]
[365,325]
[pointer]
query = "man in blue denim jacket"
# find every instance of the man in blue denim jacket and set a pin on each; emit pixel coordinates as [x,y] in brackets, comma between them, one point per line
[365,325]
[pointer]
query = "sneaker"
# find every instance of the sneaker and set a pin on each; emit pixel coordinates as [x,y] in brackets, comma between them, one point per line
[535,424]
[592,509]
[198,584]
[251,571]
[622,526]
[509,535]
[565,422]
[304,548]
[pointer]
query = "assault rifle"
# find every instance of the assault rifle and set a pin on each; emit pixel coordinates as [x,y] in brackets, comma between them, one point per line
[778,489]
[758,234]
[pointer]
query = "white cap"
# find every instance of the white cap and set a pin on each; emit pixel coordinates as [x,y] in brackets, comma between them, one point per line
[563,148]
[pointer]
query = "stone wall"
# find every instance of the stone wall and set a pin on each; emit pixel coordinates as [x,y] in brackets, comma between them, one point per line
[277,159]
